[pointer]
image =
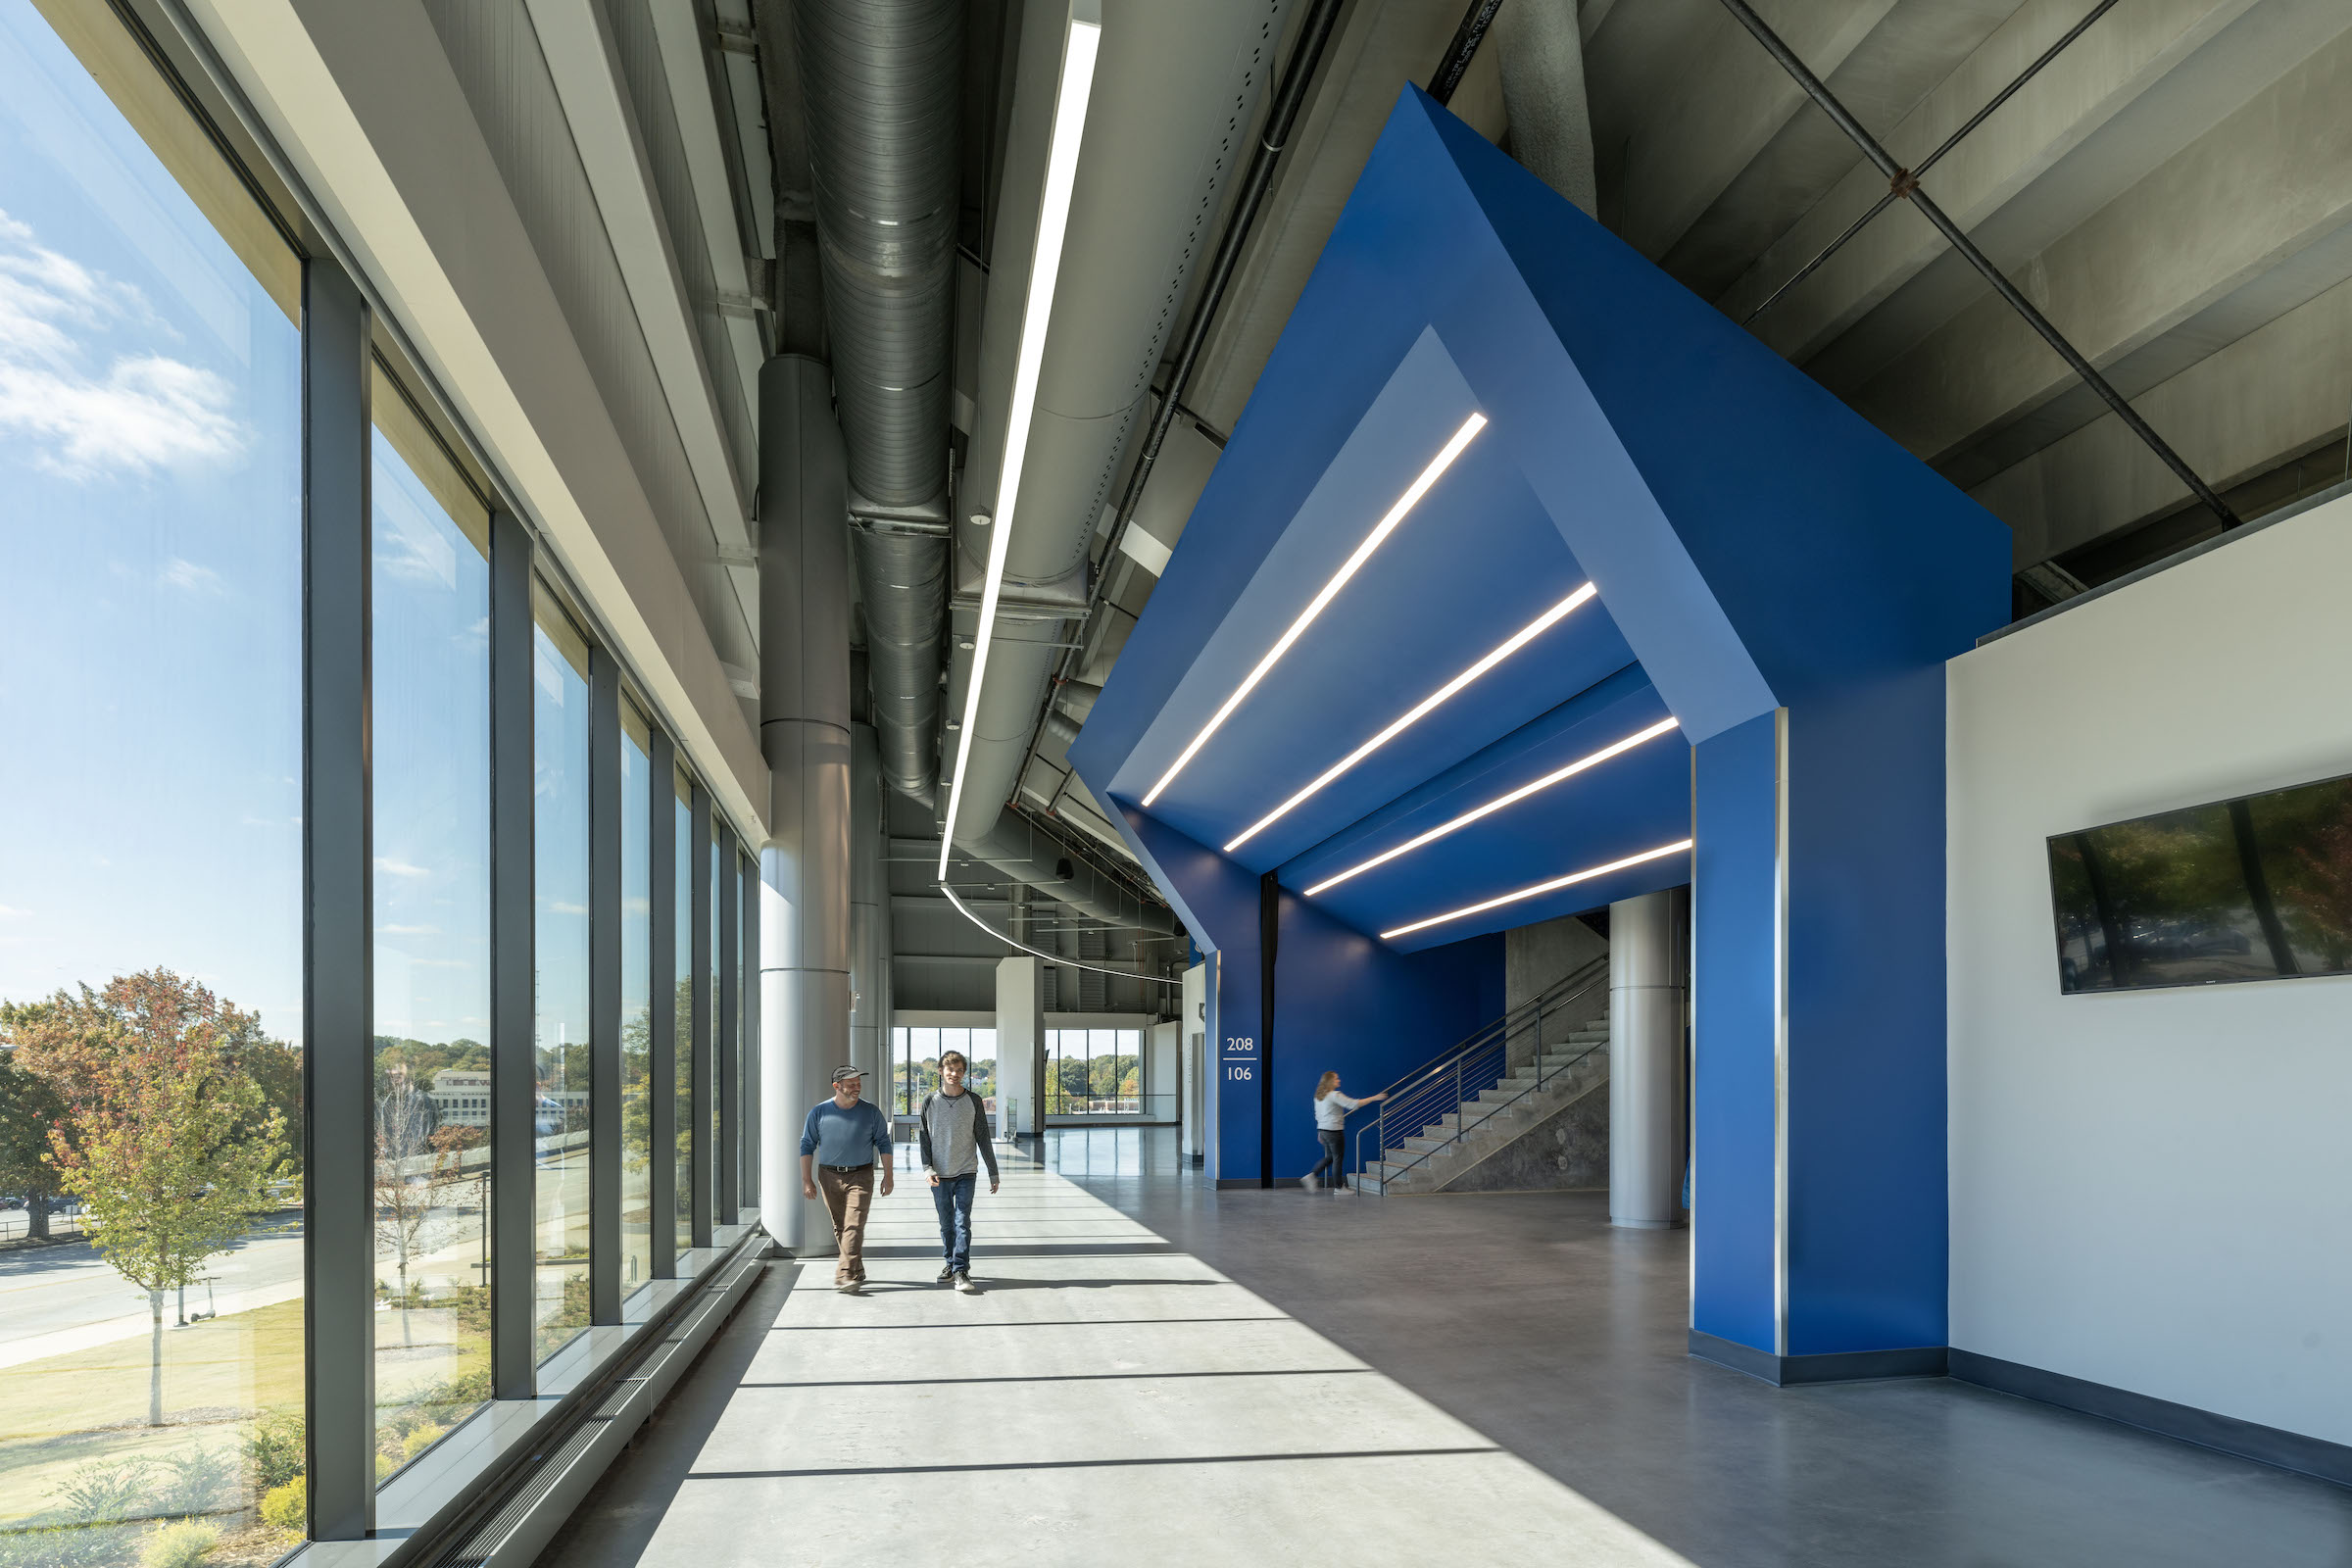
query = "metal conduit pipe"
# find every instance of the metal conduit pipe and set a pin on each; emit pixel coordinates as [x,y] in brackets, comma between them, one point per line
[879,81]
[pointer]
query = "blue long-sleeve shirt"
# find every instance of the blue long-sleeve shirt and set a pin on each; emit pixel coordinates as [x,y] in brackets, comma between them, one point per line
[853,1137]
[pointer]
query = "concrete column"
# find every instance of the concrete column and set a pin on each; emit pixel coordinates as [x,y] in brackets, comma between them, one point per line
[1020,1036]
[804,735]
[869,1042]
[1650,978]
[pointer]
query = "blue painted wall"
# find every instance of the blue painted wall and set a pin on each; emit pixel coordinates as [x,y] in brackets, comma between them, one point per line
[1348,1003]
[1733,976]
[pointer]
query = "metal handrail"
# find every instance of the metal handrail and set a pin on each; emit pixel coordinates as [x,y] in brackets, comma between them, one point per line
[1545,1000]
[1425,1098]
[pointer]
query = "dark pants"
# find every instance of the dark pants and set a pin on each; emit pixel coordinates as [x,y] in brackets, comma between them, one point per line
[953,1198]
[1334,1157]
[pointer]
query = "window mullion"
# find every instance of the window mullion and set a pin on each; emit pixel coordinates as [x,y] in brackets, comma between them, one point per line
[338,1193]
[604,1153]
[661,1203]
[513,1059]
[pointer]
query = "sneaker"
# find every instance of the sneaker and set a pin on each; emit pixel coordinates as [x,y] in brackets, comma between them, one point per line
[946,1274]
[849,1286]
[1308,1182]
[963,1283]
[1343,1191]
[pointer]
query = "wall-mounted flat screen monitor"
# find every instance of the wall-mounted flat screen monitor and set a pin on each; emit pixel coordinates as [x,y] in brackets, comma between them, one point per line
[2257,888]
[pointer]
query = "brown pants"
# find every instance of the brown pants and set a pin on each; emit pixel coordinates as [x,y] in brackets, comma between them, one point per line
[848,1194]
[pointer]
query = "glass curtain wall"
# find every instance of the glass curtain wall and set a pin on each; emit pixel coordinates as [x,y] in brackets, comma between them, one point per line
[915,1050]
[560,739]
[151,1332]
[428,551]
[683,993]
[636,999]
[718,1045]
[1093,1072]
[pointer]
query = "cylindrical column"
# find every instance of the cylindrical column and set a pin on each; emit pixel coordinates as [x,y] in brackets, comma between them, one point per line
[804,735]
[866,896]
[1650,976]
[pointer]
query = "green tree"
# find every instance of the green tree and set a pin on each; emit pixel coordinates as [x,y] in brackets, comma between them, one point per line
[167,1139]
[416,1164]
[30,1111]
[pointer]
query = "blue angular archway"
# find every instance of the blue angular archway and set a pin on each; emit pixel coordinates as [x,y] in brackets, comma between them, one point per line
[1770,573]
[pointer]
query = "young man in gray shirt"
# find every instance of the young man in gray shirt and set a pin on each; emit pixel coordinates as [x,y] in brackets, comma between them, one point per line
[954,1140]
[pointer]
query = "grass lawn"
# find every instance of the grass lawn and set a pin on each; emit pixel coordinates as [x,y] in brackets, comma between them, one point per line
[62,1412]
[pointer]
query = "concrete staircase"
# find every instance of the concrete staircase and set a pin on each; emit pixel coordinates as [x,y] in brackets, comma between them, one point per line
[1442,1157]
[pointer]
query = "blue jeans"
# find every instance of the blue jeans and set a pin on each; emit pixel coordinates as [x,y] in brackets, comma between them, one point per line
[953,1198]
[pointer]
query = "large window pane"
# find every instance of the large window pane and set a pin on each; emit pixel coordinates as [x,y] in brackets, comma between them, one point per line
[431,673]
[151,876]
[982,1080]
[560,939]
[718,1044]
[682,1228]
[636,1002]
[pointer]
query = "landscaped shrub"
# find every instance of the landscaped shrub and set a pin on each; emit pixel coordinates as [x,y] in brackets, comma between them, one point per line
[420,1438]
[274,1450]
[201,1481]
[287,1508]
[182,1546]
[105,1491]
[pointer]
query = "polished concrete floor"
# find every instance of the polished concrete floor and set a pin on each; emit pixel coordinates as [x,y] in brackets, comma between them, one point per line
[1159,1373]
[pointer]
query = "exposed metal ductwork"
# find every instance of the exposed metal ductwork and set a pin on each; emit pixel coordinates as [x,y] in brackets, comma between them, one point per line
[879,81]
[1019,851]
[905,576]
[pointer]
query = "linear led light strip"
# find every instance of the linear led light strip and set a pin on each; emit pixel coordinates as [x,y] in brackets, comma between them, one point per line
[1499,802]
[1084,44]
[1338,580]
[1419,710]
[1556,883]
[1050,957]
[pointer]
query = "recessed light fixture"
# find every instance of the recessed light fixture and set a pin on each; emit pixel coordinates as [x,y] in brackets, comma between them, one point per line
[1540,887]
[1081,45]
[1616,749]
[1420,710]
[1330,590]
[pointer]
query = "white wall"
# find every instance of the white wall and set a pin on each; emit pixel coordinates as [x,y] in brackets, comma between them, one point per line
[2153,1189]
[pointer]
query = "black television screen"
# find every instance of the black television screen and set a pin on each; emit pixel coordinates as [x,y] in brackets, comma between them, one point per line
[2257,888]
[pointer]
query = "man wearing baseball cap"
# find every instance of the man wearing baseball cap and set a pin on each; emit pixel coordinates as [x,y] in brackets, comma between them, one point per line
[838,1146]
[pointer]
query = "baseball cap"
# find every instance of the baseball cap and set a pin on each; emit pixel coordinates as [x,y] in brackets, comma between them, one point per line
[840,1073]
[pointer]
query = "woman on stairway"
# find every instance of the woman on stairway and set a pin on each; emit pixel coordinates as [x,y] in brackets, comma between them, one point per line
[1331,1126]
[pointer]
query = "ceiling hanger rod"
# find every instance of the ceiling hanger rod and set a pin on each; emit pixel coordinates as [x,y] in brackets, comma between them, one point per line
[1904,182]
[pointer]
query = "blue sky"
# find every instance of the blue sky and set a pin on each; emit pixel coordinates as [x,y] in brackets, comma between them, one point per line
[150,538]
[150,677]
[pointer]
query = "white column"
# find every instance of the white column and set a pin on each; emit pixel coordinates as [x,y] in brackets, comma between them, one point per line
[869,1039]
[805,736]
[1649,969]
[1020,1031]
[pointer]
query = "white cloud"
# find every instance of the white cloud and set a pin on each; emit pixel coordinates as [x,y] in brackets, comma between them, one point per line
[6,914]
[143,412]
[558,906]
[195,580]
[408,930]
[389,865]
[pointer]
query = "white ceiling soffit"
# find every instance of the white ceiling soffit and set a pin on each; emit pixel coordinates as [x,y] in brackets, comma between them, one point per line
[580,56]
[698,116]
[529,400]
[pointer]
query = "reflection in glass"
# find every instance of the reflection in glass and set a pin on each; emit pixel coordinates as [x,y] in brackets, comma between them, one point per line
[682,992]
[431,728]
[150,666]
[559,941]
[2256,888]
[636,1004]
